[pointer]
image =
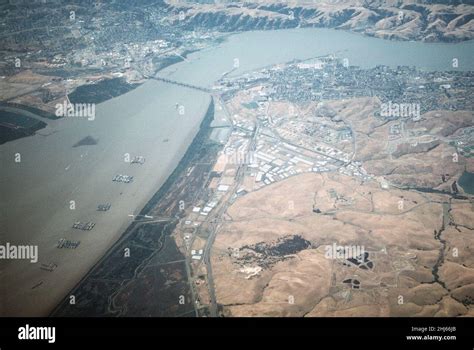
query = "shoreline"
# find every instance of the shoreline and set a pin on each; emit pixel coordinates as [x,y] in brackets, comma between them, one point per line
[138,124]
[62,307]
[37,291]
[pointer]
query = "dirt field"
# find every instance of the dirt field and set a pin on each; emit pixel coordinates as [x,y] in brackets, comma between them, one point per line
[412,272]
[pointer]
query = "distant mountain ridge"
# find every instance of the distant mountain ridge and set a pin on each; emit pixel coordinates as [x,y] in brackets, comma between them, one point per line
[401,21]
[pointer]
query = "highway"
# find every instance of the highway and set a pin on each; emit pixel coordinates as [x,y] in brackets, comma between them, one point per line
[214,224]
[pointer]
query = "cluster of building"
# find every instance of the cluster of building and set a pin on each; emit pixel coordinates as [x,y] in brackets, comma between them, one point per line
[464,142]
[279,160]
[196,254]
[330,78]
[199,213]
[86,44]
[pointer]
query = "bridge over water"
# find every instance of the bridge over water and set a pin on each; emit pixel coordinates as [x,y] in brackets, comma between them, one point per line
[190,86]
